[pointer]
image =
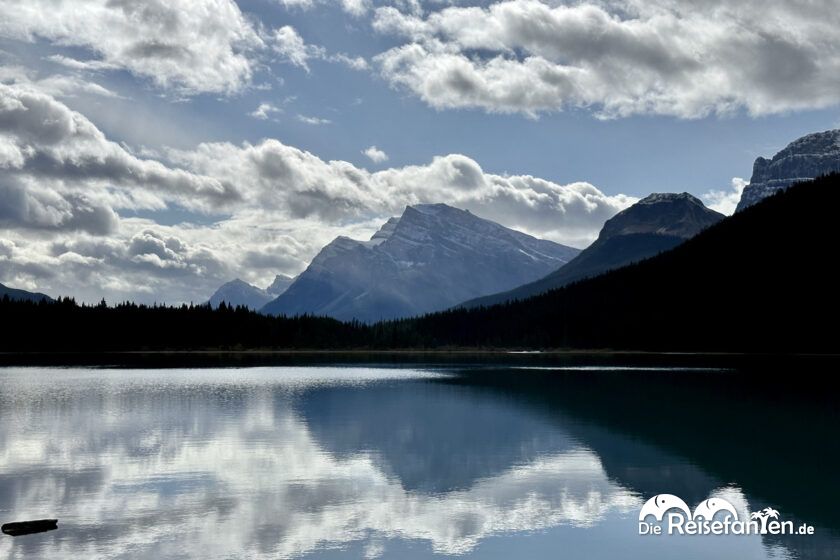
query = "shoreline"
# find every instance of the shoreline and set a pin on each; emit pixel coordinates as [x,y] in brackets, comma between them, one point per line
[462,356]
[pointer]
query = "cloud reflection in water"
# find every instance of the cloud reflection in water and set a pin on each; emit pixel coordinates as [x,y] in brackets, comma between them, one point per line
[223,463]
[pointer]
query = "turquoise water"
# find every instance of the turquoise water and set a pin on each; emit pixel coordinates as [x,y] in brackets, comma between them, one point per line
[388,462]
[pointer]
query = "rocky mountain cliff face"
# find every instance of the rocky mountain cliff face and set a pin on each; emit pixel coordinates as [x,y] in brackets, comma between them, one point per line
[656,223]
[428,259]
[803,159]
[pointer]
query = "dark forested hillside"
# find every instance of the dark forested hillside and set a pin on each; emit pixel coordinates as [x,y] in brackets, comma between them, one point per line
[655,224]
[21,295]
[763,280]
[65,326]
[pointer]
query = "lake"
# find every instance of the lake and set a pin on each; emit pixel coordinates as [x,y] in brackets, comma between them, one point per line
[478,460]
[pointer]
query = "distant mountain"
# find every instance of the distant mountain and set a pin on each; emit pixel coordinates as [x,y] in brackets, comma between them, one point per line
[654,224]
[237,292]
[22,295]
[280,284]
[806,158]
[430,258]
[725,289]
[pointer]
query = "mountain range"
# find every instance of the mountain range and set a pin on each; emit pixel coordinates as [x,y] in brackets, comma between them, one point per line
[805,158]
[430,258]
[22,295]
[760,281]
[435,257]
[654,224]
[239,293]
[723,290]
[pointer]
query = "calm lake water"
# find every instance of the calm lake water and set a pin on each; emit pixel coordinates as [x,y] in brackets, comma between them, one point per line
[407,462]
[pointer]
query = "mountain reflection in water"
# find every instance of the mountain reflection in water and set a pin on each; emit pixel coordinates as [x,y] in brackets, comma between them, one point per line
[388,462]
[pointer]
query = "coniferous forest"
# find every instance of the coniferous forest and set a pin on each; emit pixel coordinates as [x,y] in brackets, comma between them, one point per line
[763,280]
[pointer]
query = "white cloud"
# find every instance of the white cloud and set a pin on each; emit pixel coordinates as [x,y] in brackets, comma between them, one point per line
[288,43]
[290,46]
[299,4]
[302,185]
[63,181]
[51,150]
[185,46]
[619,58]
[80,64]
[725,202]
[314,121]
[190,46]
[56,85]
[353,62]
[264,111]
[356,8]
[375,154]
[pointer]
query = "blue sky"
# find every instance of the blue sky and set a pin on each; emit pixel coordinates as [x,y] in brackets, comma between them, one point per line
[544,116]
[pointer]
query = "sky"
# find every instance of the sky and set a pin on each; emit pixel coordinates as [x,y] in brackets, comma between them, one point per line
[153,150]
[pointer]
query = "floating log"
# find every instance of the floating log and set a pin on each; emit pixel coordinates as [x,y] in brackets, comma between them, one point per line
[29,527]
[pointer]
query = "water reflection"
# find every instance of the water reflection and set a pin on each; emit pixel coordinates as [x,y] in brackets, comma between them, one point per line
[313,461]
[760,435]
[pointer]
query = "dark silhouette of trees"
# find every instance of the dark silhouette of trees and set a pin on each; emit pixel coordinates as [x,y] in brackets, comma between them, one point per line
[68,327]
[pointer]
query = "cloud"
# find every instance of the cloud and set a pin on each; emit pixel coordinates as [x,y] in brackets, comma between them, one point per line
[291,47]
[299,4]
[147,261]
[184,46]
[352,62]
[618,58]
[191,46]
[264,111]
[56,85]
[356,8]
[303,186]
[63,184]
[314,121]
[6,248]
[57,170]
[75,64]
[375,154]
[725,202]
[142,261]
[285,180]
[26,204]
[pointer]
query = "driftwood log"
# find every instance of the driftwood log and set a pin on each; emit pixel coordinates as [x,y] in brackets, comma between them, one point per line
[29,527]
